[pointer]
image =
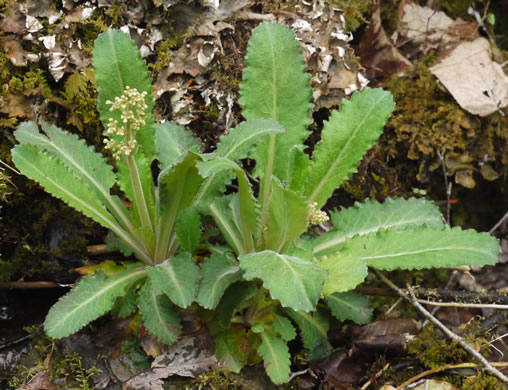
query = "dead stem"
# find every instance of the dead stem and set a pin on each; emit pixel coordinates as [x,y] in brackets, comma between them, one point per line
[444,368]
[411,298]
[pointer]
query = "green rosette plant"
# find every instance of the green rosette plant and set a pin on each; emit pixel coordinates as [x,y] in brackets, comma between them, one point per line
[273,276]
[279,274]
[161,227]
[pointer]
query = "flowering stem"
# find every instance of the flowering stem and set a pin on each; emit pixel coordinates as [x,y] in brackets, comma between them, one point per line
[139,196]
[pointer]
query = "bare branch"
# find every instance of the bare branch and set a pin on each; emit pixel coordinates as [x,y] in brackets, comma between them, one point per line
[414,301]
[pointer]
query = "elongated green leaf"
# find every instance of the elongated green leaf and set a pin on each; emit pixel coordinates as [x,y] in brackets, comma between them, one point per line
[243,205]
[92,297]
[159,316]
[346,271]
[245,211]
[283,327]
[425,248]
[177,187]
[275,354]
[371,216]
[287,217]
[350,306]
[213,166]
[301,284]
[62,183]
[313,326]
[172,142]
[236,145]
[177,277]
[349,134]
[81,159]
[188,229]
[218,274]
[275,86]
[221,211]
[299,168]
[231,347]
[239,141]
[235,298]
[415,248]
[117,64]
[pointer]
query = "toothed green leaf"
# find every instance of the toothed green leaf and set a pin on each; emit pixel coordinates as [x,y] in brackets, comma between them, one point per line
[415,248]
[177,277]
[275,354]
[231,347]
[240,140]
[159,316]
[345,138]
[61,182]
[283,327]
[81,159]
[313,326]
[91,298]
[425,248]
[301,284]
[350,306]
[371,216]
[218,274]
[276,86]
[172,142]
[299,169]
[126,305]
[346,271]
[235,296]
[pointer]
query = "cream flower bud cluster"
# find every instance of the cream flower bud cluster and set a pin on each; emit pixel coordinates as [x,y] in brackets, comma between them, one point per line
[317,217]
[132,106]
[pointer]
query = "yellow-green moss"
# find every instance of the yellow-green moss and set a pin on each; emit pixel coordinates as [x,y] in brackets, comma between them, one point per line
[482,381]
[115,13]
[5,6]
[67,367]
[355,12]
[427,119]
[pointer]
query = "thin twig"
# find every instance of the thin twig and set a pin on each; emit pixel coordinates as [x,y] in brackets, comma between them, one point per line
[412,299]
[470,305]
[444,368]
[448,284]
[378,374]
[31,285]
[442,294]
[500,222]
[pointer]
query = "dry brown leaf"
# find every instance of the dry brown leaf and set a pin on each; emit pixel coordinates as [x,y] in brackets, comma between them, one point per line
[377,52]
[478,84]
